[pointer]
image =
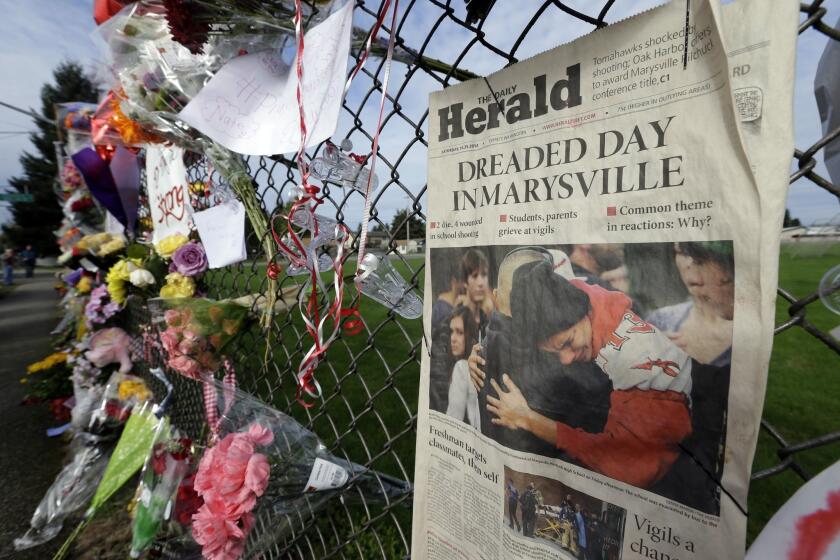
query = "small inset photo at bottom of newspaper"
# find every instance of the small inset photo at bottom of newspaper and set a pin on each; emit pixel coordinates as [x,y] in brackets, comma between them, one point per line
[575,525]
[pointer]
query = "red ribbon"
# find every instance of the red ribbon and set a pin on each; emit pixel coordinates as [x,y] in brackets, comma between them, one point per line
[307,386]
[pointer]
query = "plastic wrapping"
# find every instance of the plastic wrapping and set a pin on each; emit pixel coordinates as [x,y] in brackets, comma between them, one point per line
[72,490]
[343,167]
[163,471]
[76,484]
[829,289]
[381,282]
[157,76]
[287,475]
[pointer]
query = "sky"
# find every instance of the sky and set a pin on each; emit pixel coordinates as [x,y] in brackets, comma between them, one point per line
[37,35]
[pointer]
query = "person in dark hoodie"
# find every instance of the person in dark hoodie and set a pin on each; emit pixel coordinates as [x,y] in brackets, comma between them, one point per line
[575,322]
[577,394]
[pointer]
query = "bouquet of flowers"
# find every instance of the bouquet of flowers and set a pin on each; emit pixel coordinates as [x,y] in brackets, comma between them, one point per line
[195,331]
[160,481]
[77,482]
[157,77]
[48,378]
[269,466]
[71,179]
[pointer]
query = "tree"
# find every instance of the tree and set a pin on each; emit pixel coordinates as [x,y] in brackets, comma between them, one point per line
[35,222]
[416,226]
[790,222]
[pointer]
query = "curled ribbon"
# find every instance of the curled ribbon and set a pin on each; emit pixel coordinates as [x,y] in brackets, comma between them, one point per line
[315,315]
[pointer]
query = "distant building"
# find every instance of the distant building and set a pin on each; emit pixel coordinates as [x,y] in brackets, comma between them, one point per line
[406,247]
[791,233]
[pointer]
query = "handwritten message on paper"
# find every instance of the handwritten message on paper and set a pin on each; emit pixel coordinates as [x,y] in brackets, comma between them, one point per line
[222,231]
[250,106]
[167,183]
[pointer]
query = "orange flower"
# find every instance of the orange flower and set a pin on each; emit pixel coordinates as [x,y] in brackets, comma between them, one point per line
[131,132]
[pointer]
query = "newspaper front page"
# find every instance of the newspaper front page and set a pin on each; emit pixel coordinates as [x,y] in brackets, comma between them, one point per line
[602,249]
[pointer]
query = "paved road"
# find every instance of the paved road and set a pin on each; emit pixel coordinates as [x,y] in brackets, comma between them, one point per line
[29,461]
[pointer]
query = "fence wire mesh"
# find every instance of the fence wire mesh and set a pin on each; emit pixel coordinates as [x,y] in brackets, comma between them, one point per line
[368,408]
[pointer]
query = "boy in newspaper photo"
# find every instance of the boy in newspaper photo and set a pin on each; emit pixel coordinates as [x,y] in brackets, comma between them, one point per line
[546,384]
[649,413]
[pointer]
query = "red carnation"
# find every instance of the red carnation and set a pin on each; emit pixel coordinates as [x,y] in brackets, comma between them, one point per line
[187,502]
[187,23]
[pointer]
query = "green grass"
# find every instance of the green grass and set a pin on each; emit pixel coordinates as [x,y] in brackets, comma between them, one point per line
[370,383]
[802,389]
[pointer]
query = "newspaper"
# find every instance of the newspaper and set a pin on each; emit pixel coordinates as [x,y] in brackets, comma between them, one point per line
[602,257]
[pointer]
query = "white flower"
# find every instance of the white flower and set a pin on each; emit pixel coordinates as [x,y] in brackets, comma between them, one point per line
[141,278]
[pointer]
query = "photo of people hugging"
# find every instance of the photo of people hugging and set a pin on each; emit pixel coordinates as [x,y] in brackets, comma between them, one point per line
[612,357]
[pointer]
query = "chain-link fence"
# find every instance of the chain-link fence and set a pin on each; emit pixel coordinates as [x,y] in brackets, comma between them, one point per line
[368,408]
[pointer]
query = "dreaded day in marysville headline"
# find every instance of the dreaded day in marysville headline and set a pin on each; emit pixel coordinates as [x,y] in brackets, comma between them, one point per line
[477,184]
[644,175]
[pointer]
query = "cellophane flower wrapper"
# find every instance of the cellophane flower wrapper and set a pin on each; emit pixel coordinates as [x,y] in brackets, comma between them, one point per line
[194,332]
[121,394]
[71,491]
[287,475]
[91,449]
[163,471]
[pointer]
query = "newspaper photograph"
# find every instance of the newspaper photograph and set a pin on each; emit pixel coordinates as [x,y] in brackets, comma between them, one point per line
[574,523]
[602,249]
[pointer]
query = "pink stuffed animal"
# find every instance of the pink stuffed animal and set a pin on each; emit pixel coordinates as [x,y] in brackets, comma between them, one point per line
[108,346]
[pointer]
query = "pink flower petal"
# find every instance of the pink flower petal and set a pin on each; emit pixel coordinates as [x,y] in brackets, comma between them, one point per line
[257,473]
[260,435]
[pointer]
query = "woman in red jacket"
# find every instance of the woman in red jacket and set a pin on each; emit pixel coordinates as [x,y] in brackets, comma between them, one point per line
[649,407]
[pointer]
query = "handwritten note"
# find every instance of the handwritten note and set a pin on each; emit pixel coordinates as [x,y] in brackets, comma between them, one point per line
[250,106]
[222,231]
[168,186]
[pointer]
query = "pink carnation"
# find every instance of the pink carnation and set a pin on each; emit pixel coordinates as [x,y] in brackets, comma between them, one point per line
[260,435]
[169,338]
[213,529]
[185,366]
[176,318]
[230,477]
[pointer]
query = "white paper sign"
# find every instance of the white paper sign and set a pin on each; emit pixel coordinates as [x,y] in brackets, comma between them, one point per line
[250,105]
[168,186]
[222,231]
[807,526]
[326,476]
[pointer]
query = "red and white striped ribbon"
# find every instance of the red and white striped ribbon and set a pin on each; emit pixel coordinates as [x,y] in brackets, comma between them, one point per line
[315,318]
[211,405]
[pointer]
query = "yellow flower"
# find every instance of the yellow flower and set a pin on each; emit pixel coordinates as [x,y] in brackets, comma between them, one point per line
[117,291]
[137,389]
[84,285]
[24,380]
[47,363]
[169,244]
[177,285]
[117,276]
[112,246]
[94,241]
